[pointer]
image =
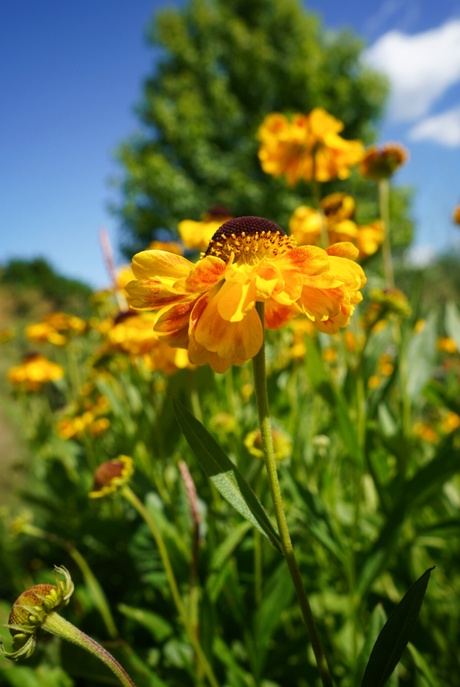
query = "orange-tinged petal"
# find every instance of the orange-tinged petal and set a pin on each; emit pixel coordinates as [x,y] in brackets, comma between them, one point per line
[344,249]
[277,316]
[236,340]
[205,274]
[150,294]
[306,259]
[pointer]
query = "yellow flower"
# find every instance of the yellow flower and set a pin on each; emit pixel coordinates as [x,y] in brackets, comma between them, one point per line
[111,476]
[305,225]
[35,371]
[282,445]
[42,331]
[55,328]
[64,323]
[382,163]
[337,212]
[369,238]
[446,344]
[209,307]
[306,147]
[456,215]
[197,235]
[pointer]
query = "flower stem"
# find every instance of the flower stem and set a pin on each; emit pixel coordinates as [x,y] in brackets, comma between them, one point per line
[156,533]
[384,203]
[260,385]
[57,625]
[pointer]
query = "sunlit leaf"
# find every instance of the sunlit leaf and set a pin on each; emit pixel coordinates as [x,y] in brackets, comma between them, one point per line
[225,476]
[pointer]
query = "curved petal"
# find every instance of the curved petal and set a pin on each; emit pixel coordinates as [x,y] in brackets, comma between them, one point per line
[149,264]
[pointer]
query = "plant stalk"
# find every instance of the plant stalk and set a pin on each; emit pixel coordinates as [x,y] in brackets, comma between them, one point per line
[156,533]
[260,386]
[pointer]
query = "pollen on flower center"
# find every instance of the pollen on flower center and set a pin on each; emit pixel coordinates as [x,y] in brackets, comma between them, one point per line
[249,238]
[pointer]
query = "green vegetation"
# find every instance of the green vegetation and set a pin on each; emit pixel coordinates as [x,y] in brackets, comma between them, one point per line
[223,67]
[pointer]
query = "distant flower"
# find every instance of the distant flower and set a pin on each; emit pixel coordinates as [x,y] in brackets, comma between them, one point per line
[42,332]
[456,215]
[282,444]
[383,162]
[306,147]
[111,476]
[55,329]
[197,235]
[446,344]
[337,213]
[35,371]
[209,307]
[133,333]
[369,238]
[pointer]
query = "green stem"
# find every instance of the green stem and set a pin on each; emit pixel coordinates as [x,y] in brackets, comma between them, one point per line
[260,385]
[57,625]
[156,534]
[384,203]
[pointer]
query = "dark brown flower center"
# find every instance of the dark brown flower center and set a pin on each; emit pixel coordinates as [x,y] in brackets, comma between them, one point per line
[248,238]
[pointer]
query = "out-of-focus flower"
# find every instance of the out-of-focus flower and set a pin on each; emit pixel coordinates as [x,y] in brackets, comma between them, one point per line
[111,476]
[34,371]
[384,303]
[65,324]
[450,422]
[197,235]
[306,147]
[456,215]
[132,333]
[425,432]
[382,163]
[385,368]
[209,307]
[282,445]
[369,238]
[337,213]
[86,416]
[41,332]
[32,610]
[56,328]
[446,344]
[305,225]
[225,423]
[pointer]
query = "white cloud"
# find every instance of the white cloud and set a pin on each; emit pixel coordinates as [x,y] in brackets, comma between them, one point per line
[420,67]
[443,128]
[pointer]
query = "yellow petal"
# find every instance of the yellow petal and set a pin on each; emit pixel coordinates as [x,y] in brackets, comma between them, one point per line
[149,264]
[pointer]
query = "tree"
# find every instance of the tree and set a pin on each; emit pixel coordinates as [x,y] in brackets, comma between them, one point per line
[225,65]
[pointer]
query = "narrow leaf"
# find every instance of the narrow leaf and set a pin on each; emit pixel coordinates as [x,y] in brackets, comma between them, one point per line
[453,323]
[225,476]
[395,634]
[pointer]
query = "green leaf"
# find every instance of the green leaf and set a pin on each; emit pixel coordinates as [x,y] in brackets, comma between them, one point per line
[452,322]
[323,384]
[395,634]
[158,627]
[421,357]
[225,476]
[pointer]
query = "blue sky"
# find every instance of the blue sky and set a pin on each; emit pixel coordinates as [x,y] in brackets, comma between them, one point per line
[72,74]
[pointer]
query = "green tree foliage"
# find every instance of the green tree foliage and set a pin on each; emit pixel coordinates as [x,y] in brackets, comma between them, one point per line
[38,278]
[223,66]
